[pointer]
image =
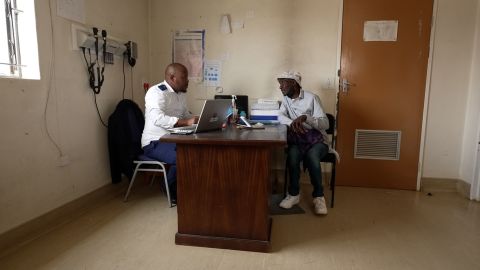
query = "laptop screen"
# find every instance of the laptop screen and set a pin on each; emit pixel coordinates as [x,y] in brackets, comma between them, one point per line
[214,114]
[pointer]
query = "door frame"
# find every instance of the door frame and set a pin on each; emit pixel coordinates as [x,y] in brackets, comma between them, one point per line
[427,85]
[475,187]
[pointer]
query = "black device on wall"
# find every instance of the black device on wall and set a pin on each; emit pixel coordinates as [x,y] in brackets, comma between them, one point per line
[131,53]
[241,102]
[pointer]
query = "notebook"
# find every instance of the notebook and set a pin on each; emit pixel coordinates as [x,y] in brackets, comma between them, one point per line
[214,114]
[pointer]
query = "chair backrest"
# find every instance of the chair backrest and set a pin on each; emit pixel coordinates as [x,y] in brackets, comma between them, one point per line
[331,124]
[331,128]
[125,127]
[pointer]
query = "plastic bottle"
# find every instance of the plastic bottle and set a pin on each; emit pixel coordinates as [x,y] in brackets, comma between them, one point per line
[234,116]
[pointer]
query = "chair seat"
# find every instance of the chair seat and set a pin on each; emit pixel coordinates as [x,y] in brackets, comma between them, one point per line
[146,164]
[142,157]
[330,158]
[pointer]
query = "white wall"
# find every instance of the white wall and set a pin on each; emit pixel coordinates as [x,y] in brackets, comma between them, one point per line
[453,51]
[472,119]
[283,34]
[31,183]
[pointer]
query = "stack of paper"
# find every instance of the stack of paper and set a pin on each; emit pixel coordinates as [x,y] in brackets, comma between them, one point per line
[265,110]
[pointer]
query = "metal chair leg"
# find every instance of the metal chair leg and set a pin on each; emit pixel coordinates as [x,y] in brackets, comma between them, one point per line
[167,187]
[332,185]
[285,179]
[131,182]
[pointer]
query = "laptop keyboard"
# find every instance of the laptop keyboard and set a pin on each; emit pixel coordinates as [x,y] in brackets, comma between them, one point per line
[192,127]
[183,130]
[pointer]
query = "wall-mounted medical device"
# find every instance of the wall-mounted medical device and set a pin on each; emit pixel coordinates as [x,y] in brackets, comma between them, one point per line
[131,52]
[83,37]
[87,40]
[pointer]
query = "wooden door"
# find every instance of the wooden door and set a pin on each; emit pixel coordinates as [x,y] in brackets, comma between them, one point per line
[383,76]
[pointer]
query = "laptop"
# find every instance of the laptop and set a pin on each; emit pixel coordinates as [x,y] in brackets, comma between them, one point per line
[214,114]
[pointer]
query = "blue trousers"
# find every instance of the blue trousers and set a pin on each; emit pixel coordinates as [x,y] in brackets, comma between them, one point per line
[164,152]
[311,161]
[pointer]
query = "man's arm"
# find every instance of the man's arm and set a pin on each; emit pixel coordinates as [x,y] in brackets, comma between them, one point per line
[318,119]
[283,116]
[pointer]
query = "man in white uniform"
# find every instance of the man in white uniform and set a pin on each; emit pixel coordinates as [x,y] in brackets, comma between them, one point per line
[166,107]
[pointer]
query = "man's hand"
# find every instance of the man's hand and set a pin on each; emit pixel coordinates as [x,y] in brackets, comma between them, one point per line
[195,119]
[297,124]
[186,122]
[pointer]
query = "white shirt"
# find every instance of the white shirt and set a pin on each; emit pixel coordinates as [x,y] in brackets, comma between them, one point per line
[307,104]
[163,108]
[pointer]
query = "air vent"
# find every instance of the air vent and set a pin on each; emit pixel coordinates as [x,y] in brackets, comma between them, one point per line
[377,144]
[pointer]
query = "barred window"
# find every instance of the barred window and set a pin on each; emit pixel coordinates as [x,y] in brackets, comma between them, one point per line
[18,39]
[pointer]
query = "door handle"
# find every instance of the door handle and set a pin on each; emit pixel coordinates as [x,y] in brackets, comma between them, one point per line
[345,85]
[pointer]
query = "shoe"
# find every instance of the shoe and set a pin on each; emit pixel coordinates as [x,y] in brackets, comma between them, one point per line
[289,201]
[319,206]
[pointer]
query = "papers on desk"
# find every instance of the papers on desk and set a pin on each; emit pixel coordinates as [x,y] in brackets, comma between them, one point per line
[255,126]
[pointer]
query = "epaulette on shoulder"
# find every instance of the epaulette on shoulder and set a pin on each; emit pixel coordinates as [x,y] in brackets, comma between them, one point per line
[162,87]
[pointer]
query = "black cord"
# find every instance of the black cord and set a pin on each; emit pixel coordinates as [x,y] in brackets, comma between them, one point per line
[131,80]
[123,68]
[90,65]
[104,51]
[98,112]
[92,82]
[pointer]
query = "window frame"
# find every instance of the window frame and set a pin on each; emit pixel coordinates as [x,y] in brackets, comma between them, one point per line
[13,38]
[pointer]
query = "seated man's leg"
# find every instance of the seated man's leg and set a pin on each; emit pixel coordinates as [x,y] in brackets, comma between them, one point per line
[294,157]
[165,152]
[312,163]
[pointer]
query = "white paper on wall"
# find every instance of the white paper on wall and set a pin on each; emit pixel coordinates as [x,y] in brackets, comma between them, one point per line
[380,30]
[188,49]
[71,9]
[212,73]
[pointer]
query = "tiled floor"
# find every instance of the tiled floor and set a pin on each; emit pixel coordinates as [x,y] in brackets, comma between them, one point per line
[367,229]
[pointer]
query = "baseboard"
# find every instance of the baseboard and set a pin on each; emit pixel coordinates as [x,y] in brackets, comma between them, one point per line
[21,235]
[433,185]
[463,188]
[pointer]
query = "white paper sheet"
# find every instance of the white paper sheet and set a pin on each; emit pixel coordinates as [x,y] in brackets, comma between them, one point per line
[212,75]
[380,31]
[188,49]
[72,9]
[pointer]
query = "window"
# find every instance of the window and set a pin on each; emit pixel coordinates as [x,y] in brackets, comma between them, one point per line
[18,39]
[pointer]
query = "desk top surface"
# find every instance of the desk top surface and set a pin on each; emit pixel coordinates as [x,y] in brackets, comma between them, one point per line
[270,136]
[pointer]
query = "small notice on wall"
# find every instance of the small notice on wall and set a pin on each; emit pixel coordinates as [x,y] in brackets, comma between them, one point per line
[213,73]
[380,31]
[71,9]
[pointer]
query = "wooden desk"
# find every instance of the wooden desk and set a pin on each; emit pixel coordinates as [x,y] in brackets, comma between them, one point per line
[223,187]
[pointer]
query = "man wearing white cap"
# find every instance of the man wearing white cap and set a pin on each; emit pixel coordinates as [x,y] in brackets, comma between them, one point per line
[302,112]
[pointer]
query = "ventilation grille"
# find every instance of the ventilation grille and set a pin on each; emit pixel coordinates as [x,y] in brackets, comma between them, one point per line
[377,144]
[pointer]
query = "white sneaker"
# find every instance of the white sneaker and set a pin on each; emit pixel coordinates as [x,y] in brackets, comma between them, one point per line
[319,206]
[289,201]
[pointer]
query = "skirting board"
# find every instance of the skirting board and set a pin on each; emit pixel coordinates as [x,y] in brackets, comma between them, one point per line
[446,185]
[21,235]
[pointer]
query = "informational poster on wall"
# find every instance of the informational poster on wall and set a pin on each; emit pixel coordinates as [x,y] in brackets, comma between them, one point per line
[380,30]
[188,49]
[212,75]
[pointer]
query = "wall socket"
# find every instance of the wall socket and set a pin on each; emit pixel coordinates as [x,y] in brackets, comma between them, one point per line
[329,84]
